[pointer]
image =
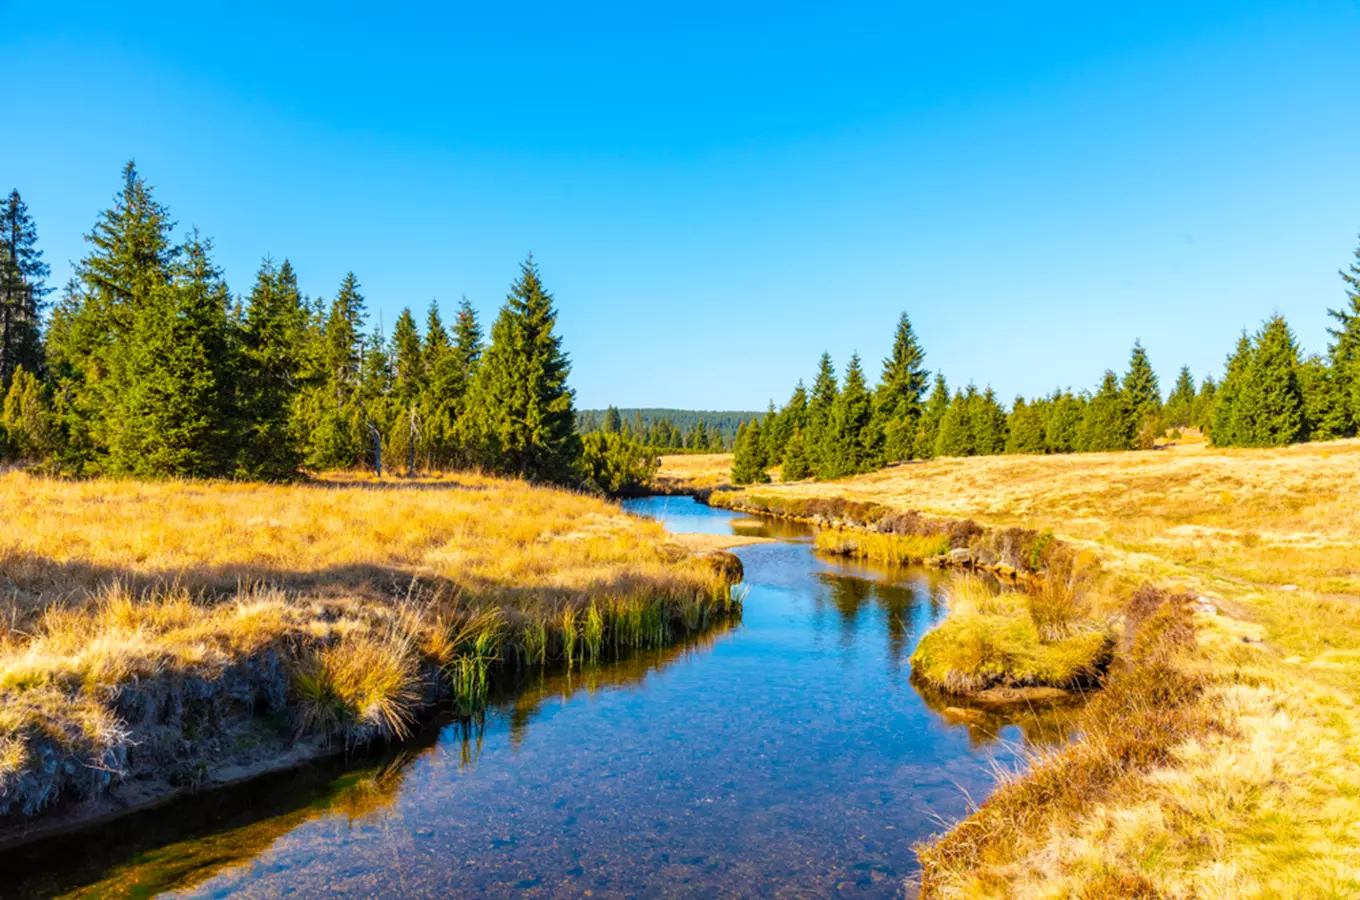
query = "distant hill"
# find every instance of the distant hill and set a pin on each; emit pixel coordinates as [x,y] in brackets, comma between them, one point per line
[725,420]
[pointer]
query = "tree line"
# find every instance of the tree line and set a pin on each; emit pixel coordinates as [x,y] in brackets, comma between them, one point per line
[150,367]
[668,430]
[1269,394]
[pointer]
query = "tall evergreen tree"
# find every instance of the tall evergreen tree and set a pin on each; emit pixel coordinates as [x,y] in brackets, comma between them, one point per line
[1345,347]
[1108,423]
[1205,401]
[1026,428]
[467,339]
[850,441]
[748,463]
[897,400]
[795,466]
[1325,412]
[955,437]
[1227,427]
[522,412]
[1141,389]
[613,422]
[928,429]
[1270,402]
[338,433]
[272,364]
[987,420]
[23,285]
[178,403]
[1180,405]
[1066,411]
[820,401]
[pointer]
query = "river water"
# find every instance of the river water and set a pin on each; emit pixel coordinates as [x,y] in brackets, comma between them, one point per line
[786,755]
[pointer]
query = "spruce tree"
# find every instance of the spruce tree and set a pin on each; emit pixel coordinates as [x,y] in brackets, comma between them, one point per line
[522,414]
[820,401]
[1227,427]
[446,376]
[987,420]
[748,465]
[1026,428]
[26,423]
[897,400]
[1344,351]
[467,339]
[612,421]
[177,407]
[850,442]
[1180,406]
[955,437]
[338,433]
[23,284]
[1108,423]
[1141,389]
[795,465]
[1325,412]
[1204,404]
[1270,402]
[1066,411]
[928,429]
[272,365]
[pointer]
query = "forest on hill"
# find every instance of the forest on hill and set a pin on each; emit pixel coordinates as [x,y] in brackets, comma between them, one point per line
[148,366]
[1269,394]
[670,430]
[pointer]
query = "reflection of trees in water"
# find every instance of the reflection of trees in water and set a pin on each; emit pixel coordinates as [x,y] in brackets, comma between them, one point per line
[900,604]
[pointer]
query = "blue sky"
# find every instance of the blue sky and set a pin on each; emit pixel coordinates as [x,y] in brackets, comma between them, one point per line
[717,195]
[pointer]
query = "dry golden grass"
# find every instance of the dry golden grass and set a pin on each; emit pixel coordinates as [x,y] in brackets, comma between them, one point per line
[1268,804]
[694,471]
[360,586]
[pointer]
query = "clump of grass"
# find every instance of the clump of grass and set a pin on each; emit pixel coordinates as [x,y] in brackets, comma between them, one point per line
[1056,600]
[592,633]
[359,686]
[892,549]
[991,640]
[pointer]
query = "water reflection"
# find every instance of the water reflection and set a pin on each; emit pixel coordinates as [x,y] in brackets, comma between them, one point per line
[789,754]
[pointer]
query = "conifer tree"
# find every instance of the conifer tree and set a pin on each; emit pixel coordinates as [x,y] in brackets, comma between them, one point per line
[613,423]
[793,417]
[178,404]
[1026,428]
[1325,412]
[850,441]
[748,465]
[820,401]
[1204,404]
[928,429]
[776,431]
[795,466]
[1180,406]
[1142,392]
[1344,351]
[272,363]
[1066,412]
[1270,401]
[467,339]
[522,412]
[1227,427]
[987,420]
[446,377]
[26,419]
[338,435]
[1108,423]
[955,437]
[23,284]
[897,400]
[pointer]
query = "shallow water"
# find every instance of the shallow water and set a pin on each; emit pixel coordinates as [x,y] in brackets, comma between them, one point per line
[788,755]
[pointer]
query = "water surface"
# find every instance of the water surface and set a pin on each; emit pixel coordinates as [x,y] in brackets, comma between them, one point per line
[787,755]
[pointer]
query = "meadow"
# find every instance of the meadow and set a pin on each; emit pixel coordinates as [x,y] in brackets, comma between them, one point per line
[1222,758]
[161,633]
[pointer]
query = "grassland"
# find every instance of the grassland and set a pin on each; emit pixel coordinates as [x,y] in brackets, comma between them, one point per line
[169,630]
[1224,759]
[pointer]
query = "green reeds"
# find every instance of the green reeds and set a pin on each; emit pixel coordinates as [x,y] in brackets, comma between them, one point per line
[593,634]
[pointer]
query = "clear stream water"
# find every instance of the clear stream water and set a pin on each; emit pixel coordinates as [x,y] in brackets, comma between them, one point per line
[785,755]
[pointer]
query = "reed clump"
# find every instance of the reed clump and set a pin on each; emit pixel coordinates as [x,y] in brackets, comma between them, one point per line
[890,549]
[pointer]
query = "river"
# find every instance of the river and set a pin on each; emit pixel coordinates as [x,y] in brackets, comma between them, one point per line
[786,755]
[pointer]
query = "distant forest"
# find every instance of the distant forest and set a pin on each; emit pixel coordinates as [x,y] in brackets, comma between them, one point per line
[1269,394]
[707,431]
[148,366]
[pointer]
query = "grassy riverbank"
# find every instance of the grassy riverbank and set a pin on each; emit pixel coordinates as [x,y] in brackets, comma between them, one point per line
[1223,759]
[184,633]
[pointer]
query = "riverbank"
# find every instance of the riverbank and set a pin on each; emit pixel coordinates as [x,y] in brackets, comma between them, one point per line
[157,639]
[1242,777]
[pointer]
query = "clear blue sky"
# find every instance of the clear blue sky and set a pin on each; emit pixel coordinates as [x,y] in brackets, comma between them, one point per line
[717,195]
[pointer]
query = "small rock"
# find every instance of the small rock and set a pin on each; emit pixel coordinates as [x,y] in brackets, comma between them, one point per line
[961,556]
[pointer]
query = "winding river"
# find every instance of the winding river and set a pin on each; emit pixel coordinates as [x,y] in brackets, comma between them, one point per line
[788,755]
